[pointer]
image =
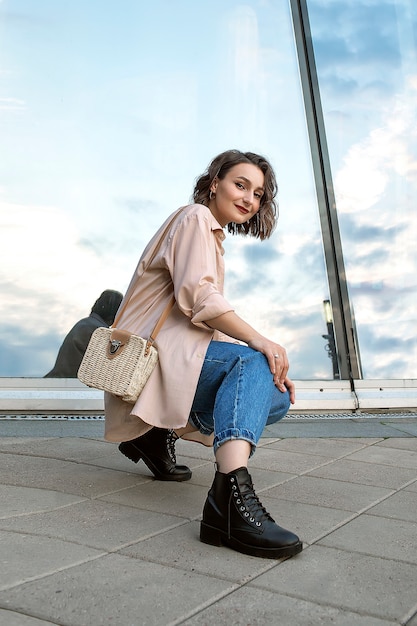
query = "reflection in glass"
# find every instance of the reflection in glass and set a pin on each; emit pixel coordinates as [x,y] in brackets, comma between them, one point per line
[102,140]
[367,68]
[330,338]
[73,348]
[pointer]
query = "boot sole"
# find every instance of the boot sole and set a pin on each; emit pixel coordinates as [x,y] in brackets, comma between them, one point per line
[215,537]
[132,453]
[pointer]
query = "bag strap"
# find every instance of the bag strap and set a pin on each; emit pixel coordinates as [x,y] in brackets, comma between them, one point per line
[171,302]
[159,324]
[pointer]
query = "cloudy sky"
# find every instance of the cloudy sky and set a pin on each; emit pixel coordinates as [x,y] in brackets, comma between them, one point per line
[108,113]
[366,54]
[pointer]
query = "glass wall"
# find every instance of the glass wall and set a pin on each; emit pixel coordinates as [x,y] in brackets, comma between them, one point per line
[366,59]
[108,112]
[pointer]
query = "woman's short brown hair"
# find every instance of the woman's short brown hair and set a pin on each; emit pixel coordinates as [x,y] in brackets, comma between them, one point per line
[263,223]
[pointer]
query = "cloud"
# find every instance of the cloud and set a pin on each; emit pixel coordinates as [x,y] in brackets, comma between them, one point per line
[359,51]
[378,180]
[42,263]
[375,189]
[281,295]
[12,105]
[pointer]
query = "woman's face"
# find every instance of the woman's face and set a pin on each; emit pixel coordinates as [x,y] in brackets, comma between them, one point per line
[238,195]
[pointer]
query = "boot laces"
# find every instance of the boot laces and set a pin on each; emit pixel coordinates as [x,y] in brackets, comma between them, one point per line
[171,439]
[255,507]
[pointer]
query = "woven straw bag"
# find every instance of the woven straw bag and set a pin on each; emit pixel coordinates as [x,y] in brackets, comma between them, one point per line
[118,361]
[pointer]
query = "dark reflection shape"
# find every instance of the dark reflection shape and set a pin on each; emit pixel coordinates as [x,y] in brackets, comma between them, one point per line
[75,343]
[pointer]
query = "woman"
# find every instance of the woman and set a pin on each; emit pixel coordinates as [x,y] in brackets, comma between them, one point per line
[208,386]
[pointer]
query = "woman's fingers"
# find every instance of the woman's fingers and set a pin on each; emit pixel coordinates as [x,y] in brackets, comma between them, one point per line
[279,366]
[291,389]
[277,359]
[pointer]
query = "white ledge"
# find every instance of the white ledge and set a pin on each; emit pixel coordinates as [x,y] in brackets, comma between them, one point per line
[386,394]
[48,395]
[69,395]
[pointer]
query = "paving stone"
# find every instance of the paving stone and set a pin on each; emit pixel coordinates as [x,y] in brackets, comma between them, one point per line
[116,589]
[365,473]
[412,621]
[49,428]
[182,499]
[24,500]
[329,493]
[27,556]
[355,582]
[334,428]
[8,618]
[386,456]
[322,447]
[96,524]
[285,461]
[401,505]
[403,427]
[70,477]
[7,443]
[308,521]
[203,472]
[67,448]
[368,441]
[379,536]
[259,607]
[182,548]
[67,501]
[409,443]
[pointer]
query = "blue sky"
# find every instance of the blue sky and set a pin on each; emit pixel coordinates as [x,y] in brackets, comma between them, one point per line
[109,111]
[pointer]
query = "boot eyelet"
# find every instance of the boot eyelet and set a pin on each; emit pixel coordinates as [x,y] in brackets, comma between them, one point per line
[234,487]
[251,519]
[242,508]
[232,480]
[239,501]
[246,514]
[258,524]
[235,495]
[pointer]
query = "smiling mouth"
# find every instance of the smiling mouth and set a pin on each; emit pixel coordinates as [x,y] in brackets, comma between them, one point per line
[242,209]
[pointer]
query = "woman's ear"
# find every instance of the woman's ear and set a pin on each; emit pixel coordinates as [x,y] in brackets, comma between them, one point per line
[213,186]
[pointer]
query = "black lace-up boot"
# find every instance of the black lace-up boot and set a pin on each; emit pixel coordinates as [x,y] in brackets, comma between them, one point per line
[157,449]
[234,516]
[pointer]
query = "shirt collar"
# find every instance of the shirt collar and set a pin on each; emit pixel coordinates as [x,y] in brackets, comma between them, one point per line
[216,227]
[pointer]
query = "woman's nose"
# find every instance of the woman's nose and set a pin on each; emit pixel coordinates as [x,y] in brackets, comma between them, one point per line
[248,197]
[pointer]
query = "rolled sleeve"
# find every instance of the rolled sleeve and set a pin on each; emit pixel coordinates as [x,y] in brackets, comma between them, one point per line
[212,306]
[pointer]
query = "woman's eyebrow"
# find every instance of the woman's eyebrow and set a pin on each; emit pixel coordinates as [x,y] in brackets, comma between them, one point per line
[248,181]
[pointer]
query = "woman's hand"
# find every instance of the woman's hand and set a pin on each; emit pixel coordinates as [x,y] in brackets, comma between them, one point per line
[276,357]
[233,326]
[291,389]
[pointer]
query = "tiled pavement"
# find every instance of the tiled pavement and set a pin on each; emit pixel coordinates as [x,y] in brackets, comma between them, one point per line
[89,538]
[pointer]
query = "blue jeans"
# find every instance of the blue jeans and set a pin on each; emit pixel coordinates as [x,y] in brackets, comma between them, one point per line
[236,396]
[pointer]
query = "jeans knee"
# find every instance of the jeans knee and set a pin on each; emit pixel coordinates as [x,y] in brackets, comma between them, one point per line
[258,362]
[279,407]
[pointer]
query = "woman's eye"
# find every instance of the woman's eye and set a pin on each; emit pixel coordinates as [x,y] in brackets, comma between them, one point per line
[258,195]
[240,186]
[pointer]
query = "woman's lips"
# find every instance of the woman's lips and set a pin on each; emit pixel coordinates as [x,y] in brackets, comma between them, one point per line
[242,209]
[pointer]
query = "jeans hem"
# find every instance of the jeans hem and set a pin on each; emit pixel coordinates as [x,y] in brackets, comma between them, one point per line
[194,420]
[232,434]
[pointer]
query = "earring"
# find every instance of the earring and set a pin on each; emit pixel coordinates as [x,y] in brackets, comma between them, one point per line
[211,195]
